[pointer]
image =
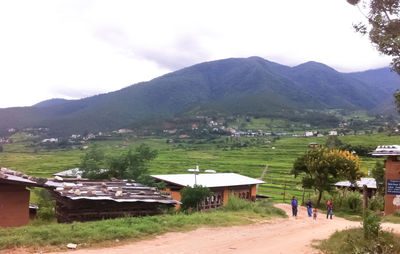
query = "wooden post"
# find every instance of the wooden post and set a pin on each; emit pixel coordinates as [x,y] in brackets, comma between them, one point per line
[365,198]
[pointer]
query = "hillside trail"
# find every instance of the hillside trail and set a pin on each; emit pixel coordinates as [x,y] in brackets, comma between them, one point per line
[289,235]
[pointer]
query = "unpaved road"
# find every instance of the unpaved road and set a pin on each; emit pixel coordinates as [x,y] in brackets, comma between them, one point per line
[271,236]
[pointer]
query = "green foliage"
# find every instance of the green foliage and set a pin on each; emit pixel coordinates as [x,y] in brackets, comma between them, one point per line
[133,164]
[360,150]
[378,172]
[376,203]
[133,228]
[191,198]
[92,162]
[371,225]
[263,207]
[321,168]
[384,27]
[130,165]
[353,241]
[333,142]
[45,203]
[353,201]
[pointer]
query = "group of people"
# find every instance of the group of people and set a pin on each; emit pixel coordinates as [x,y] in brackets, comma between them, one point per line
[312,212]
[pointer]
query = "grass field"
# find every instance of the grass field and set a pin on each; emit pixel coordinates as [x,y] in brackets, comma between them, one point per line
[211,154]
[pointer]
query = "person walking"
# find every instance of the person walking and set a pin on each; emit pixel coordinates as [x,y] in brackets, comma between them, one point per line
[294,206]
[309,208]
[315,214]
[329,209]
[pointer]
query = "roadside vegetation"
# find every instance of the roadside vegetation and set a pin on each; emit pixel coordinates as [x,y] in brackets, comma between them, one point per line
[237,212]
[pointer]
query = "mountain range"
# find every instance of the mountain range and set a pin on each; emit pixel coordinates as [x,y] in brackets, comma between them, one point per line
[235,86]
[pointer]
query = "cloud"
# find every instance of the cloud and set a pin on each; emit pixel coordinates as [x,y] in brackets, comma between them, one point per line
[57,48]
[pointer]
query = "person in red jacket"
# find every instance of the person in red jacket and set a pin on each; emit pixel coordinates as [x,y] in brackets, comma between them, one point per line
[329,209]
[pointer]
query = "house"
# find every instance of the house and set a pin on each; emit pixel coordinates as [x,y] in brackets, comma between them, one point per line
[80,200]
[14,197]
[392,176]
[368,181]
[332,133]
[309,134]
[221,184]
[123,131]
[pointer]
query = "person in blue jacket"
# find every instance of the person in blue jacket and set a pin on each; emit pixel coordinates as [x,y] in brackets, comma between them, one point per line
[309,208]
[294,206]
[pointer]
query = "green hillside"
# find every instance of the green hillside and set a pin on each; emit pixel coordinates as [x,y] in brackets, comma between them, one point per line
[236,86]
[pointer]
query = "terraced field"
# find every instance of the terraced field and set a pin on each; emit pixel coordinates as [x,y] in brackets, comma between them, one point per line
[178,157]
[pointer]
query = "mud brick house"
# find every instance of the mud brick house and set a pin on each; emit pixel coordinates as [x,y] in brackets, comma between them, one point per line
[392,176]
[14,197]
[81,200]
[221,184]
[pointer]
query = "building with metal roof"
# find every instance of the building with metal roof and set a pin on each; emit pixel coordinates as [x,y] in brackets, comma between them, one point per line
[14,197]
[221,184]
[81,200]
[392,176]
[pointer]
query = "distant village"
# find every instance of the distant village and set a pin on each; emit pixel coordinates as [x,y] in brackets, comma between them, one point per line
[202,126]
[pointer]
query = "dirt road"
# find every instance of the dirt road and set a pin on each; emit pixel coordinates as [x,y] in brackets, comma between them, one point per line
[271,236]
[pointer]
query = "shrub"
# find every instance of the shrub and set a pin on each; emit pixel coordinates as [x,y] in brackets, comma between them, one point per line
[46,204]
[371,225]
[376,203]
[191,198]
[263,207]
[353,200]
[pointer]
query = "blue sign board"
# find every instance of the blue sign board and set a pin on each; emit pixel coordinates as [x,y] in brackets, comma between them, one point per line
[393,187]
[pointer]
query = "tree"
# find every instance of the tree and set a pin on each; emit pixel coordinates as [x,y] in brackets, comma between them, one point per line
[379,174]
[133,164]
[92,162]
[130,165]
[384,26]
[323,167]
[333,142]
[384,30]
[191,198]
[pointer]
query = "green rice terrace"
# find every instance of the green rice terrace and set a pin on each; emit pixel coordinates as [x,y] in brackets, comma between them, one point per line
[247,156]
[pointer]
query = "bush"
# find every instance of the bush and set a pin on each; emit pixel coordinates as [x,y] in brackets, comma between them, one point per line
[376,203]
[371,225]
[191,198]
[353,200]
[263,207]
[45,203]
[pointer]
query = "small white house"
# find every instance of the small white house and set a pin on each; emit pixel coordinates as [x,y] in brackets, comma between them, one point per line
[332,133]
[309,134]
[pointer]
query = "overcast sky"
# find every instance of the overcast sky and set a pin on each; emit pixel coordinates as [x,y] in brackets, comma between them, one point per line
[78,48]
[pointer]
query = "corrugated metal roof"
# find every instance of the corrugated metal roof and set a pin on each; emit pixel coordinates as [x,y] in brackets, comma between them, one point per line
[208,180]
[118,191]
[15,177]
[74,172]
[389,150]
[370,182]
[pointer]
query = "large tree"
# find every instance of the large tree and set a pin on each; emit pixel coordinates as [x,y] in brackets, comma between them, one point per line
[322,167]
[383,26]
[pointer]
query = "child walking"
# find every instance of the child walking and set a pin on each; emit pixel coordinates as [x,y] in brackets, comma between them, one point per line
[315,213]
